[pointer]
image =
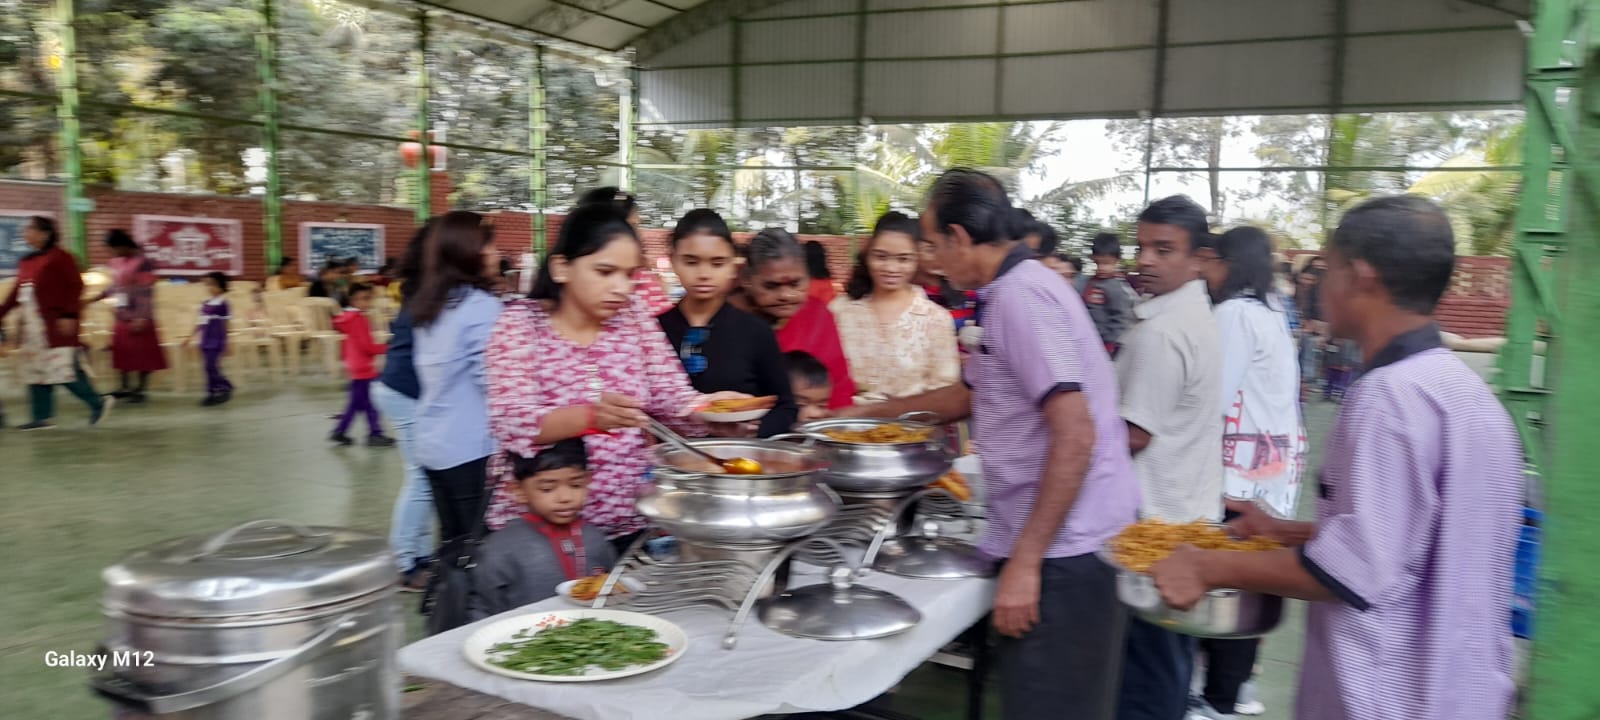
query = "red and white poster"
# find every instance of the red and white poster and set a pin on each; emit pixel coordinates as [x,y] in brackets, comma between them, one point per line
[191,245]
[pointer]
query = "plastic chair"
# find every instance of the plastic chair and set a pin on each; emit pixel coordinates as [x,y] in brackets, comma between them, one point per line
[316,315]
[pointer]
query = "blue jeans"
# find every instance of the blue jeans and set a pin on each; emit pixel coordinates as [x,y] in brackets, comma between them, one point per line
[411,527]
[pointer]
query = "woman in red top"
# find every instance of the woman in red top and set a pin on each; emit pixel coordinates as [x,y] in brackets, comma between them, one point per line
[584,358]
[135,344]
[773,286]
[49,291]
[821,287]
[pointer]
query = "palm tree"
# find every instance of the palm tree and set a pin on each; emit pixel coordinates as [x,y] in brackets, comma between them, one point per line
[1482,204]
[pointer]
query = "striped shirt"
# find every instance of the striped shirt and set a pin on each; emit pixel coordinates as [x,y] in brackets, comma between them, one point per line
[1417,518]
[1038,340]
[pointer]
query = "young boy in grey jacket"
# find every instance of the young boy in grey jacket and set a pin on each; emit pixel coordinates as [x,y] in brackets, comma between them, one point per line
[1108,297]
[523,562]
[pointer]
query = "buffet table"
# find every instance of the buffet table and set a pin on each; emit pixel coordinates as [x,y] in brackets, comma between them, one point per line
[767,673]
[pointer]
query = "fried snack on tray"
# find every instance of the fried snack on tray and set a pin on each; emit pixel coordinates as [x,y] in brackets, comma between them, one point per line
[1148,542]
[955,484]
[740,405]
[589,588]
[888,433]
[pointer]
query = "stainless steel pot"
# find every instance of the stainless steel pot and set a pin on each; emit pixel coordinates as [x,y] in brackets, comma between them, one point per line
[854,467]
[265,620]
[1221,614]
[738,510]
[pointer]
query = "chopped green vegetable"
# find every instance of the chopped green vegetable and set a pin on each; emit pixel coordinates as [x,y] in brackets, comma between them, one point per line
[572,649]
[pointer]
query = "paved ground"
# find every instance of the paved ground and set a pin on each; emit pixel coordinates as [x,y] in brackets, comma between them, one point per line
[73,500]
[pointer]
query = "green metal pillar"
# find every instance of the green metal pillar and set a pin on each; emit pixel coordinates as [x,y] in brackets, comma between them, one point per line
[425,156]
[267,68]
[537,124]
[72,152]
[1556,300]
[627,107]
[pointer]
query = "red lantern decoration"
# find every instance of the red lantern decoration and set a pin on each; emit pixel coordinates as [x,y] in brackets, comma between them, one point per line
[411,152]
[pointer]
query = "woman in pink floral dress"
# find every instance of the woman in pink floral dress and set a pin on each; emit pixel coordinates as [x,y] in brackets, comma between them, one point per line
[585,358]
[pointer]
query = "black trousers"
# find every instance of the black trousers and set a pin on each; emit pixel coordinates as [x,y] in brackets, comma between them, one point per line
[458,497]
[1156,673]
[1067,665]
[1229,664]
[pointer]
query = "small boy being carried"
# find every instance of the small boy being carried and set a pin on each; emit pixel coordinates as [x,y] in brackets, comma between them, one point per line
[1108,296]
[524,561]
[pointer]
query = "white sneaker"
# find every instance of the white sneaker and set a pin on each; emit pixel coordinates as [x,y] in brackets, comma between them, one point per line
[1204,711]
[1249,704]
[1250,708]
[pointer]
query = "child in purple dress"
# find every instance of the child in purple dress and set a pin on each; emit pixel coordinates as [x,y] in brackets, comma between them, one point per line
[212,329]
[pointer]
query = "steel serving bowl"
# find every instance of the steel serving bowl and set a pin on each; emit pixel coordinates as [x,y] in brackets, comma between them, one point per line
[782,504]
[858,467]
[1221,614]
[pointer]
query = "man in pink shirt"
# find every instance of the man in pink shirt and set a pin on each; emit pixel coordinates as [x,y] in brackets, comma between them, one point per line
[1043,401]
[1409,562]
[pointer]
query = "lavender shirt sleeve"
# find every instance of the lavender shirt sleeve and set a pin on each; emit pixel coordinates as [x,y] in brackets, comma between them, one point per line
[1380,501]
[1030,334]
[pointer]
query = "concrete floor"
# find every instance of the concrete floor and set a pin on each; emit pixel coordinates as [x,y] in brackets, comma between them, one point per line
[74,499]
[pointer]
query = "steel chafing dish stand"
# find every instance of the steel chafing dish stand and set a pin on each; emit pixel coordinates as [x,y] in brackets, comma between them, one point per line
[754,545]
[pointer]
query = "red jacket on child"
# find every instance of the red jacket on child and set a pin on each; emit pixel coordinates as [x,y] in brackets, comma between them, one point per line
[359,349]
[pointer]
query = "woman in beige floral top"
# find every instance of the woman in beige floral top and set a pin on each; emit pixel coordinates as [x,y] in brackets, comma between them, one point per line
[898,342]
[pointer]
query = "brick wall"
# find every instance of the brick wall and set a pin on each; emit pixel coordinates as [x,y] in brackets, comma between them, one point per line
[1475,304]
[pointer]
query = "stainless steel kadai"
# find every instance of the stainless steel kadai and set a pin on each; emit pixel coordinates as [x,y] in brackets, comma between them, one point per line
[856,467]
[262,621]
[732,511]
[1221,614]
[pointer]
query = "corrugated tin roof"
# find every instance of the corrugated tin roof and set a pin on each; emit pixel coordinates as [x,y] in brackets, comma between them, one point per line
[843,62]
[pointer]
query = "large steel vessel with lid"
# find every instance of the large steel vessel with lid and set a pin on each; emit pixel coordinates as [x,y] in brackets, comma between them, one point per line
[738,511]
[262,621]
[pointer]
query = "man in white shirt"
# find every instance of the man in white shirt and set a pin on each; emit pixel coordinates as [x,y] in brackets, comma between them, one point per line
[1169,371]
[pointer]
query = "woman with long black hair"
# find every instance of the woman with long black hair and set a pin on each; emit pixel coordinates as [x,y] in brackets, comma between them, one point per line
[452,313]
[1263,447]
[722,347]
[582,357]
[49,291]
[899,343]
[396,394]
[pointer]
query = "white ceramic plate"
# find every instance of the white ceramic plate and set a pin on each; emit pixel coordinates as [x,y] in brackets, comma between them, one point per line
[734,417]
[632,586]
[477,645]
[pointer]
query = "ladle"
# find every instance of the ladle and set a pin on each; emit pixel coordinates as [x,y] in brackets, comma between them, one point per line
[733,466]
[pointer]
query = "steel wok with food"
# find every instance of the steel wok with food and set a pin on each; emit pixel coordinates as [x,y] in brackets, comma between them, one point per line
[1221,614]
[698,505]
[876,467]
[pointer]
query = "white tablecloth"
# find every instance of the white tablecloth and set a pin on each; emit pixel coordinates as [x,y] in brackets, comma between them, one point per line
[767,673]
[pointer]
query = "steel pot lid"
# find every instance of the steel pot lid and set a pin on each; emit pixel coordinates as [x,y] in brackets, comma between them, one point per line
[838,610]
[262,566]
[930,556]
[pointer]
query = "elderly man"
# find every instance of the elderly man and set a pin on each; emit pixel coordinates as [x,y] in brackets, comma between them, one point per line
[1409,563]
[1043,399]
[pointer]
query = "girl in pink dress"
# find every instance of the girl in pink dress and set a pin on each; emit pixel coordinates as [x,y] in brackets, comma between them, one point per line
[135,344]
[583,357]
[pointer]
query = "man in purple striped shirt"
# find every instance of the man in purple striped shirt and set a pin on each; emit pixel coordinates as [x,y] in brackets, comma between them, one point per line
[1043,399]
[1409,562]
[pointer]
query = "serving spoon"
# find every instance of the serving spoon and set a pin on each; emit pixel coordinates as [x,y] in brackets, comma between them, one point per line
[733,466]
